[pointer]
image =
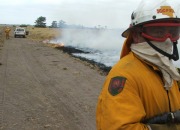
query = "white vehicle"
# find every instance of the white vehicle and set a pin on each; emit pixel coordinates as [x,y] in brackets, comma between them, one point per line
[20,32]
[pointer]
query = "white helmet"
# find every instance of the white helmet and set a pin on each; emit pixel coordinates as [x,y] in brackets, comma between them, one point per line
[151,10]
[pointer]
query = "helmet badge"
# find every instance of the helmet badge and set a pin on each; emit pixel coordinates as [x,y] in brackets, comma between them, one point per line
[166,10]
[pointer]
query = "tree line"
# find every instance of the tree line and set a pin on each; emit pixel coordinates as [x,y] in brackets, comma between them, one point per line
[41,22]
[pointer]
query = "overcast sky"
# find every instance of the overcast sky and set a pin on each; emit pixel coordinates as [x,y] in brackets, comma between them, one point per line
[110,13]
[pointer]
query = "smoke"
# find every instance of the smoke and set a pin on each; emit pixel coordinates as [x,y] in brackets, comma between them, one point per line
[105,44]
[93,39]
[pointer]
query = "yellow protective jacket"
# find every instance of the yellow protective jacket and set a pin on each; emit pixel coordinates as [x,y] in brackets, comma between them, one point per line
[7,30]
[140,96]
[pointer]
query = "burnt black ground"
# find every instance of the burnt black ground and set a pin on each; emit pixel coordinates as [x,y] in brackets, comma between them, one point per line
[70,50]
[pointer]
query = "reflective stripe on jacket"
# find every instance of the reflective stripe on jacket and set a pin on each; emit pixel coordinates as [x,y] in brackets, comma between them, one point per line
[142,97]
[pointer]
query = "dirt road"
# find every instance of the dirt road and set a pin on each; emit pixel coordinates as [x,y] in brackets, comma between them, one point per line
[43,88]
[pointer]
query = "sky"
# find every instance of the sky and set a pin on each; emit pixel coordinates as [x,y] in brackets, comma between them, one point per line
[91,13]
[84,12]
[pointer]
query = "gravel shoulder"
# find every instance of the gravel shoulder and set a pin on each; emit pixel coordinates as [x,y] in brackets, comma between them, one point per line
[43,88]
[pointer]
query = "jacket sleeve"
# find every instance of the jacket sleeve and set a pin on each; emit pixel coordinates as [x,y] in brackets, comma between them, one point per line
[123,111]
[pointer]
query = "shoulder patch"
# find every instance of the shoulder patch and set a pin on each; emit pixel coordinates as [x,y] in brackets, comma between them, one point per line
[116,85]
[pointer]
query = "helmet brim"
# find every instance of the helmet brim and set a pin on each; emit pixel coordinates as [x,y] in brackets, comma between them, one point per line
[126,33]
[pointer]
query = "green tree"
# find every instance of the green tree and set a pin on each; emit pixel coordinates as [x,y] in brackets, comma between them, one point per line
[54,24]
[40,22]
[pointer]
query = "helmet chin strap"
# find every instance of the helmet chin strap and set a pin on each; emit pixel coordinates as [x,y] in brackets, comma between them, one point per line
[174,56]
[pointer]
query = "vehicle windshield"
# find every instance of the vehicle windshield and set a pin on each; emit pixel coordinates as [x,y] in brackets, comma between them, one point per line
[20,29]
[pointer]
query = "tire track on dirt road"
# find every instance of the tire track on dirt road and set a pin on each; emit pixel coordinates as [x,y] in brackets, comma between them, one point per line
[3,76]
[38,94]
[46,85]
[30,92]
[71,107]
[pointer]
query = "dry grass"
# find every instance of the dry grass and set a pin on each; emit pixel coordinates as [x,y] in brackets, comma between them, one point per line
[41,34]
[35,34]
[2,36]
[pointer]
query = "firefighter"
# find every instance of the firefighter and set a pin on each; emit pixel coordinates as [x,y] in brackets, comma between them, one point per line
[7,31]
[141,90]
